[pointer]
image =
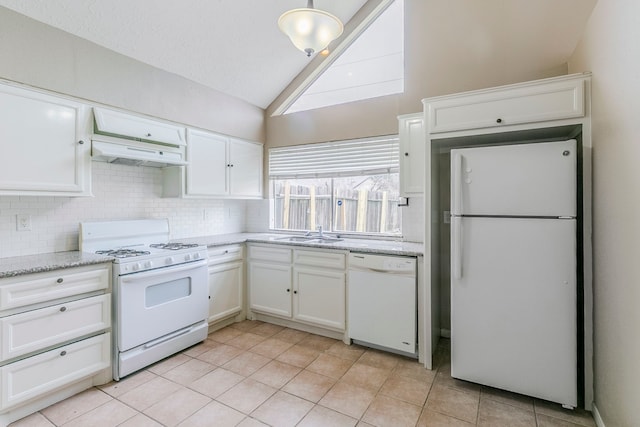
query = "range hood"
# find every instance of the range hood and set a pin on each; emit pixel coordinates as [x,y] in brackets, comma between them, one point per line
[135,153]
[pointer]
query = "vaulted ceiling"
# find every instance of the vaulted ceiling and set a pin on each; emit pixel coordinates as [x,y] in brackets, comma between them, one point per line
[235,46]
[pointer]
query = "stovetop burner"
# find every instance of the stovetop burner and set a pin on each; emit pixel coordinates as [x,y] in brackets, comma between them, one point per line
[123,253]
[173,246]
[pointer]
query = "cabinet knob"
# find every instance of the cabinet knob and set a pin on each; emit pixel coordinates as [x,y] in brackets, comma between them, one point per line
[60,280]
[81,142]
[406,154]
[295,292]
[63,353]
[148,134]
[231,165]
[63,309]
[288,290]
[499,121]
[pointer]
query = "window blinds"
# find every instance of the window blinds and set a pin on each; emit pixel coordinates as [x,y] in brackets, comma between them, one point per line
[370,156]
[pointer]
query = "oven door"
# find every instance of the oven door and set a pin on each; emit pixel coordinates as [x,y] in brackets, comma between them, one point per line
[155,303]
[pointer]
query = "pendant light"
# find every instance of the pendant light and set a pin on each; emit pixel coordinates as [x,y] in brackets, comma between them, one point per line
[310,30]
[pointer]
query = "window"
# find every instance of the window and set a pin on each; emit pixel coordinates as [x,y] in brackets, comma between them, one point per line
[372,66]
[344,187]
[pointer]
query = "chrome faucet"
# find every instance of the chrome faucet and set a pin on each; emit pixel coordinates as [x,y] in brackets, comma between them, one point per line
[318,230]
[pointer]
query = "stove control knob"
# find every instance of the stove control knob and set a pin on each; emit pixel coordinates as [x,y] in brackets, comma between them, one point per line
[136,266]
[196,256]
[148,264]
[168,260]
[187,257]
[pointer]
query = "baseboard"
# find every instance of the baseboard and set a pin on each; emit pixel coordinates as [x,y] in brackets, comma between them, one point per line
[445,333]
[596,416]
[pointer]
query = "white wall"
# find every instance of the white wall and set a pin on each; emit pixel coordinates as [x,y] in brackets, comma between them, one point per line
[609,48]
[121,192]
[42,56]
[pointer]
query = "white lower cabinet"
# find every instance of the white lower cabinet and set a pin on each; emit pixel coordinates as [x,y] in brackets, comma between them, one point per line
[55,337]
[319,296]
[226,282]
[270,288]
[306,286]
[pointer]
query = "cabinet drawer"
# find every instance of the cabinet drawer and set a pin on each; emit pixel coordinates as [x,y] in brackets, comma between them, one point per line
[320,259]
[36,288]
[222,254]
[507,106]
[270,253]
[27,332]
[34,376]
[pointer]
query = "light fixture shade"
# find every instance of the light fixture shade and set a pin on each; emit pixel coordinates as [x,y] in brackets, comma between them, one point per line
[310,30]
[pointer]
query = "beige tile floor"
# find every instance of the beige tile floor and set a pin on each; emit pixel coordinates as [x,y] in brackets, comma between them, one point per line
[257,374]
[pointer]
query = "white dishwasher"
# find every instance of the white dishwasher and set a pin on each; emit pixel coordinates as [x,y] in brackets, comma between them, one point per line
[382,308]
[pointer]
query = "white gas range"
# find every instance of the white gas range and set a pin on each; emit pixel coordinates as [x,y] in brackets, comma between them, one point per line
[160,290]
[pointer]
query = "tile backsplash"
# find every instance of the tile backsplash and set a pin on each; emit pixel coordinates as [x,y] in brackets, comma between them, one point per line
[120,192]
[129,192]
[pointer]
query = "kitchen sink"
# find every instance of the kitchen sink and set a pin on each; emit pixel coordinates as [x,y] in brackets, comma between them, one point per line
[297,238]
[310,239]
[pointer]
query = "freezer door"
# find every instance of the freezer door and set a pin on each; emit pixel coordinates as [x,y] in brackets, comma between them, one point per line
[515,180]
[513,305]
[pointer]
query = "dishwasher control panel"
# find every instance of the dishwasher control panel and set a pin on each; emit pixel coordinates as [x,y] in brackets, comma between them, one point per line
[397,264]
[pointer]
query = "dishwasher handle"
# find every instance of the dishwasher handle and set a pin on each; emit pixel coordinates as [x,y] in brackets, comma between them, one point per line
[384,271]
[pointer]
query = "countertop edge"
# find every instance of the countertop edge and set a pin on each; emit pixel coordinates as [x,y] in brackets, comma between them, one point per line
[42,263]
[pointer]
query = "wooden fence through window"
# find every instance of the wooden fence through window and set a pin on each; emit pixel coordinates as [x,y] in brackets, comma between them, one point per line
[300,207]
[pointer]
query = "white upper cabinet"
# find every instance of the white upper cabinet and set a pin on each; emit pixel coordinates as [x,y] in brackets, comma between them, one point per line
[218,166]
[45,144]
[507,105]
[412,142]
[124,124]
[207,170]
[245,168]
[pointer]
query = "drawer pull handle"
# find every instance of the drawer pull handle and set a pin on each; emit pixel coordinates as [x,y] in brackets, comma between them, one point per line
[63,353]
[60,280]
[63,309]
[499,121]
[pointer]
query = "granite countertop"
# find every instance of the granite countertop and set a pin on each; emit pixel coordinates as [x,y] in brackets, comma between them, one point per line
[387,247]
[27,264]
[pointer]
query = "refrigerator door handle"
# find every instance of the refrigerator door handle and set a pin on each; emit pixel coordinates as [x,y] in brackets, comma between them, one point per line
[456,246]
[456,185]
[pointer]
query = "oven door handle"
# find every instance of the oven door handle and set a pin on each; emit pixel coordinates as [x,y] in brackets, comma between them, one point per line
[164,270]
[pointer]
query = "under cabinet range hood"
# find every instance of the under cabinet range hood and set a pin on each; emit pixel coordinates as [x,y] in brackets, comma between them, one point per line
[123,138]
[135,153]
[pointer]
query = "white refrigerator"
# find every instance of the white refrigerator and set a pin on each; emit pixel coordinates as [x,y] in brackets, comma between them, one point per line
[514,268]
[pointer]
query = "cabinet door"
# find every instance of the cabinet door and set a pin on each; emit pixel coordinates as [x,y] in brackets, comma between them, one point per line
[225,290]
[37,375]
[207,169]
[245,170]
[120,123]
[270,288]
[412,143]
[45,144]
[319,297]
[506,106]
